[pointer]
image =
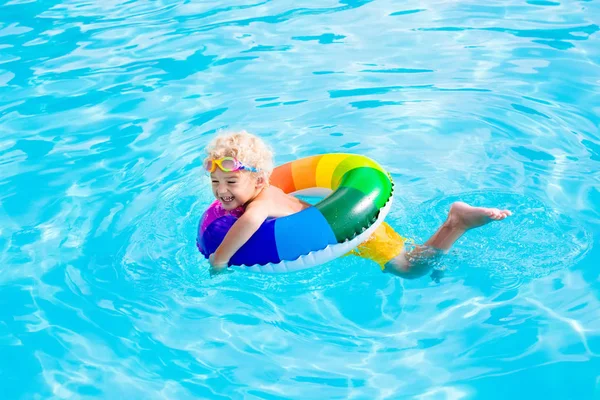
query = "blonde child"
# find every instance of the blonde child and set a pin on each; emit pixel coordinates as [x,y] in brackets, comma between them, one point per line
[240,165]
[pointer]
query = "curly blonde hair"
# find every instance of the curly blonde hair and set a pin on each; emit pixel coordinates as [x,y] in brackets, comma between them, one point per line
[246,147]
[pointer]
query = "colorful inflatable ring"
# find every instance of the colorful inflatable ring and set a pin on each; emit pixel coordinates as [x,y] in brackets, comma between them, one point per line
[361,198]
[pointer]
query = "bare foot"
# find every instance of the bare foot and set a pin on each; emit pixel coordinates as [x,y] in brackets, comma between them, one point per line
[464,216]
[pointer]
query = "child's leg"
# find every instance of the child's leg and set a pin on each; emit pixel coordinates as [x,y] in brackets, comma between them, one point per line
[461,218]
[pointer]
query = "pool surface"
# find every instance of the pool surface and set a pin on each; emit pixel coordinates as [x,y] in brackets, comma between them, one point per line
[105,107]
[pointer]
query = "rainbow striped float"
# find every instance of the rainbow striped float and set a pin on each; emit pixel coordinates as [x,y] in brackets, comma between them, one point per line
[359,195]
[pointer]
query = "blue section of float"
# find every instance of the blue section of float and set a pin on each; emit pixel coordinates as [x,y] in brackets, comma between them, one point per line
[259,249]
[299,234]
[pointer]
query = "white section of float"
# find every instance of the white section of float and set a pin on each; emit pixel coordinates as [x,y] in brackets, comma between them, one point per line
[313,192]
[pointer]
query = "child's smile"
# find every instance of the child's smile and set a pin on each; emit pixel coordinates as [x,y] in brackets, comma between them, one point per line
[226,199]
[233,189]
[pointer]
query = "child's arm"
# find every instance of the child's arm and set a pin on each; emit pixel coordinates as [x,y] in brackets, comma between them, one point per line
[239,234]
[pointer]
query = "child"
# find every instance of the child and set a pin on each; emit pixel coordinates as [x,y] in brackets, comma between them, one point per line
[240,165]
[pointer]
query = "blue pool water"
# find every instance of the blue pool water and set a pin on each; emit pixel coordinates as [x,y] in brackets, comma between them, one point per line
[105,107]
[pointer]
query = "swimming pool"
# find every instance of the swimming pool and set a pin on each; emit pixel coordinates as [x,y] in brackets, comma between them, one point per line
[105,107]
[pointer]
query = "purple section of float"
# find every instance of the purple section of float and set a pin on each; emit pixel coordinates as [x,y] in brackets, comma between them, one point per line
[214,211]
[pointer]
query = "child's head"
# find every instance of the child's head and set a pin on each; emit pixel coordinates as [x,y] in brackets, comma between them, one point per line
[232,185]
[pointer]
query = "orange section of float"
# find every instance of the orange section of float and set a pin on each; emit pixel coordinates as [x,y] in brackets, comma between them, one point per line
[282,178]
[304,172]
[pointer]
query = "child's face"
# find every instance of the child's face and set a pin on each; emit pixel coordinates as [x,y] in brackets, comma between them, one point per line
[234,189]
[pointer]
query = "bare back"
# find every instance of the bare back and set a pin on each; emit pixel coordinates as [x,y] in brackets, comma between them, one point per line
[278,203]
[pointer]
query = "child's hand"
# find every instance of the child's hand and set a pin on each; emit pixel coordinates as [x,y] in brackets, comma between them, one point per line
[216,268]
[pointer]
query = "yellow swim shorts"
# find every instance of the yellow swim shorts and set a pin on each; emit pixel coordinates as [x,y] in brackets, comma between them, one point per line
[383,245]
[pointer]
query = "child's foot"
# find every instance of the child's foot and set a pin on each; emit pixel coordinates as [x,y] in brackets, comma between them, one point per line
[464,216]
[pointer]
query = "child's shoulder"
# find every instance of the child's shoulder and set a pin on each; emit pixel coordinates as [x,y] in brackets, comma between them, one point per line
[268,195]
[273,193]
[272,200]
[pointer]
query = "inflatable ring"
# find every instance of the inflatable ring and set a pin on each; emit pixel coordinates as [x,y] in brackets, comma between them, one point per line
[360,194]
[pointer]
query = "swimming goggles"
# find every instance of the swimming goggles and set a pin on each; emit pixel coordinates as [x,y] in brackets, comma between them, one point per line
[227,164]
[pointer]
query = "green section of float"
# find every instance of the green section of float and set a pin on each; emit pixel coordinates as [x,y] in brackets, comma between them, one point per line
[373,183]
[351,163]
[348,211]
